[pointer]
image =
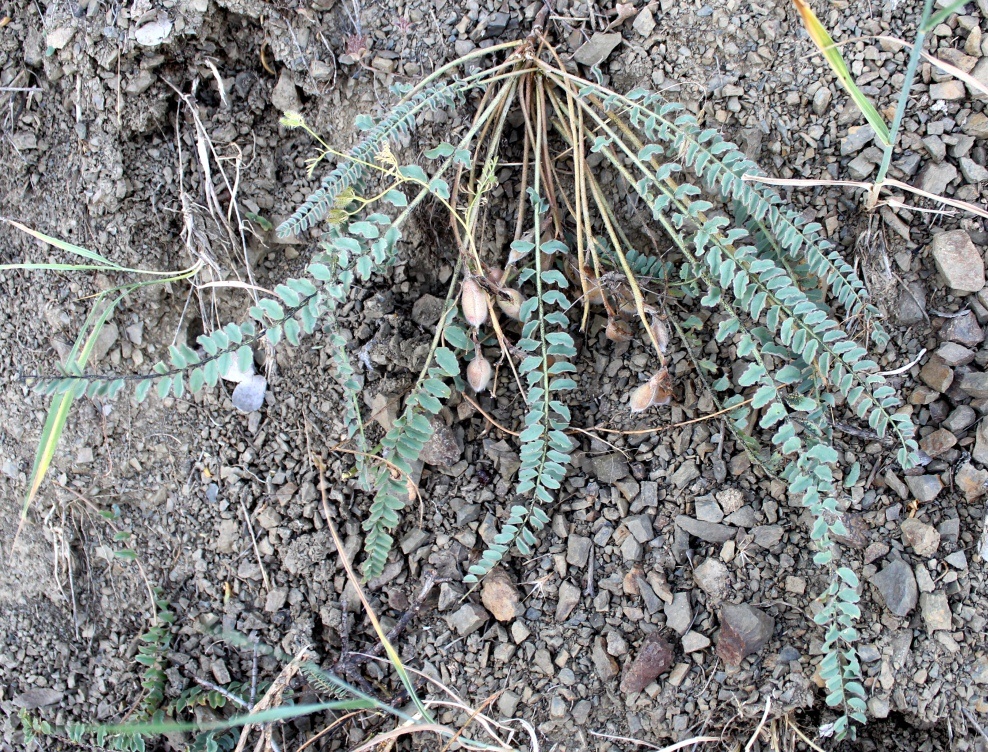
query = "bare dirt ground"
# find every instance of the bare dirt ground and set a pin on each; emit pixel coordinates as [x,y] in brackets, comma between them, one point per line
[148,131]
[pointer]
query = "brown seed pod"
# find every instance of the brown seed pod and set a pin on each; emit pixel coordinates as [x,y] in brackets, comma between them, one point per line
[473,300]
[656,391]
[660,330]
[495,274]
[618,330]
[512,306]
[479,373]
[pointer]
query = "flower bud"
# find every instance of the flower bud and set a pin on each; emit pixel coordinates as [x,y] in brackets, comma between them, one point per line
[618,330]
[473,300]
[479,373]
[512,306]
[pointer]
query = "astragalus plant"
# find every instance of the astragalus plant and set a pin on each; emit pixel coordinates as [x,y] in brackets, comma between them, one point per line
[786,303]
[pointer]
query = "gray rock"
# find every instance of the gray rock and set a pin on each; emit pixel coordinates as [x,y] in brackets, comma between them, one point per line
[58,38]
[958,560]
[609,468]
[744,630]
[708,510]
[767,536]
[597,48]
[442,449]
[974,385]
[936,177]
[275,600]
[923,539]
[284,96]
[467,619]
[936,611]
[976,125]
[644,22]
[730,500]
[857,138]
[154,33]
[706,531]
[713,578]
[606,666]
[954,354]
[694,641]
[980,451]
[958,260]
[924,487]
[569,597]
[910,308]
[507,703]
[640,526]
[896,584]
[963,328]
[39,697]
[745,517]
[938,442]
[821,100]
[229,536]
[972,171]
[427,310]
[500,595]
[686,474]
[936,374]
[878,707]
[960,419]
[578,550]
[679,613]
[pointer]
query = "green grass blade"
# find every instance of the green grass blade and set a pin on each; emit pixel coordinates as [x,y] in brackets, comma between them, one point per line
[831,52]
[67,247]
[941,15]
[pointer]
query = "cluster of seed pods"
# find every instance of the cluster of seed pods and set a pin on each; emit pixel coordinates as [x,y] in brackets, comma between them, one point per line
[475,304]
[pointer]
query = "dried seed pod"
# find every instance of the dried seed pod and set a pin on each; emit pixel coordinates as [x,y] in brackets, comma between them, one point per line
[495,274]
[473,300]
[656,391]
[479,373]
[660,330]
[618,330]
[512,306]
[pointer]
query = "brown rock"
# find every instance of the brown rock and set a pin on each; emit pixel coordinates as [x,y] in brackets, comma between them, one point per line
[964,329]
[744,630]
[938,442]
[653,659]
[500,596]
[937,374]
[920,537]
[607,667]
[975,385]
[442,450]
[955,355]
[971,481]
[959,261]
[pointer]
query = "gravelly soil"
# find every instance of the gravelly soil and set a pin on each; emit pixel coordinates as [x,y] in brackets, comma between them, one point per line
[149,125]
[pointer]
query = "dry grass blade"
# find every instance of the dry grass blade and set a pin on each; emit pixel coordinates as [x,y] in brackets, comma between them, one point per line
[671,748]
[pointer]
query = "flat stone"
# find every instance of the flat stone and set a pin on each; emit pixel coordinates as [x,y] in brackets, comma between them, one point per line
[442,449]
[694,641]
[686,474]
[610,467]
[706,531]
[920,537]
[938,442]
[936,374]
[606,666]
[767,536]
[936,611]
[38,697]
[467,619]
[154,33]
[500,595]
[936,177]
[284,96]
[708,510]
[960,419]
[954,354]
[578,550]
[924,487]
[644,22]
[857,138]
[653,659]
[972,482]
[679,613]
[730,500]
[974,384]
[275,599]
[640,526]
[569,597]
[60,37]
[821,100]
[597,48]
[964,329]
[713,578]
[958,260]
[229,536]
[980,451]
[958,560]
[972,171]
[949,91]
[744,630]
[976,125]
[910,307]
[896,584]
[427,310]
